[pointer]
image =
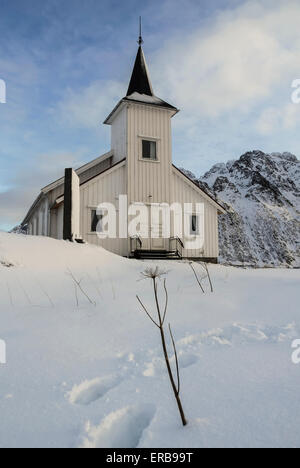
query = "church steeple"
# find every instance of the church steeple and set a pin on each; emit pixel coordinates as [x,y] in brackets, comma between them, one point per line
[140,88]
[140,80]
[140,41]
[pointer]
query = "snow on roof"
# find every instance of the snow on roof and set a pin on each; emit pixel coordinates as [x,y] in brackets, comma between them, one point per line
[145,98]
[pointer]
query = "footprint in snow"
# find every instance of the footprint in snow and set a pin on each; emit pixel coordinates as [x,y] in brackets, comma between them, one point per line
[89,391]
[157,366]
[123,428]
[187,360]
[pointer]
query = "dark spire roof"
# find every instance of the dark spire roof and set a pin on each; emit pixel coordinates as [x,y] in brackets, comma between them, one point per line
[140,88]
[140,81]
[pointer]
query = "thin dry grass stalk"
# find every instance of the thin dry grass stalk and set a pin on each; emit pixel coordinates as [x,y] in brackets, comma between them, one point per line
[154,274]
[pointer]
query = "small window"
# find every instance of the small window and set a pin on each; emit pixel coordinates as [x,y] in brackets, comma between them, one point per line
[149,150]
[96,224]
[194,225]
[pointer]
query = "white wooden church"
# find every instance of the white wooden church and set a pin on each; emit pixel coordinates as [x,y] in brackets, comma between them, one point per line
[138,165]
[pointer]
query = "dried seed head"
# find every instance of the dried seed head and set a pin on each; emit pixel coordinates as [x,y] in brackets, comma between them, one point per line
[154,273]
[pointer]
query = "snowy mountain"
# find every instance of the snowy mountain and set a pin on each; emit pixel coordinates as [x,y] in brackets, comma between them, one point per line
[18,230]
[262,195]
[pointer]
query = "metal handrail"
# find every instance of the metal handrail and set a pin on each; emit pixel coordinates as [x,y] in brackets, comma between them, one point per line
[179,245]
[178,239]
[137,240]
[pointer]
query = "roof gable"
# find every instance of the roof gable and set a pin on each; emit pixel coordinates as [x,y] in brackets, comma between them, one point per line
[195,186]
[83,170]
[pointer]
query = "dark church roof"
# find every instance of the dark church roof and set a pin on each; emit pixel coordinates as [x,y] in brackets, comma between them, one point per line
[140,88]
[140,81]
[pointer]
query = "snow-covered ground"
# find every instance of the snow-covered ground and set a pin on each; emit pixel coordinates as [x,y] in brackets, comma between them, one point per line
[92,374]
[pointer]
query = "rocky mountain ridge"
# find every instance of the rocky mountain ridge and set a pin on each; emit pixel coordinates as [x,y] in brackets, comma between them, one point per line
[261,193]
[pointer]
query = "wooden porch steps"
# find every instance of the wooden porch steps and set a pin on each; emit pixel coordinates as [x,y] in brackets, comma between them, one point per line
[156,254]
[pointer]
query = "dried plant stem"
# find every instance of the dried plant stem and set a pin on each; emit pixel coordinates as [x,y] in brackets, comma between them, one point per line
[45,292]
[25,292]
[9,294]
[176,359]
[78,284]
[160,325]
[96,286]
[76,295]
[176,390]
[196,276]
[205,266]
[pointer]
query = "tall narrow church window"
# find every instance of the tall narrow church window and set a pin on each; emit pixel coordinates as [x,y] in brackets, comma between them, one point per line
[96,224]
[149,150]
[194,225]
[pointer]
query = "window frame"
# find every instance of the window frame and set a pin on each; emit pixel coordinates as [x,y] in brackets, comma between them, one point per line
[196,231]
[150,143]
[140,149]
[99,216]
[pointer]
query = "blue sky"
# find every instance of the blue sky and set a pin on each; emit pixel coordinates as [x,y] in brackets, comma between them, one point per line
[228,65]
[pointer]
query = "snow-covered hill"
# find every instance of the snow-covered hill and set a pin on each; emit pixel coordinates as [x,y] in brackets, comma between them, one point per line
[262,194]
[85,368]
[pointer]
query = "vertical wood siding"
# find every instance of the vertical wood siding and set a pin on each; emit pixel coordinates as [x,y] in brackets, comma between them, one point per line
[149,181]
[119,136]
[105,188]
[38,222]
[184,193]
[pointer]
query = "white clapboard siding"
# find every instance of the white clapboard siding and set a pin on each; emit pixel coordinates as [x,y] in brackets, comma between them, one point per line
[185,192]
[149,181]
[119,135]
[56,193]
[38,221]
[60,222]
[56,214]
[104,188]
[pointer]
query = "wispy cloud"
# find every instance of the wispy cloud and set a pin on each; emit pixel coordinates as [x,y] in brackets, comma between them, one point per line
[276,119]
[25,186]
[235,62]
[227,64]
[86,107]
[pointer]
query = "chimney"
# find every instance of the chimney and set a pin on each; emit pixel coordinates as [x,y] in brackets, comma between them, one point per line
[71,206]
